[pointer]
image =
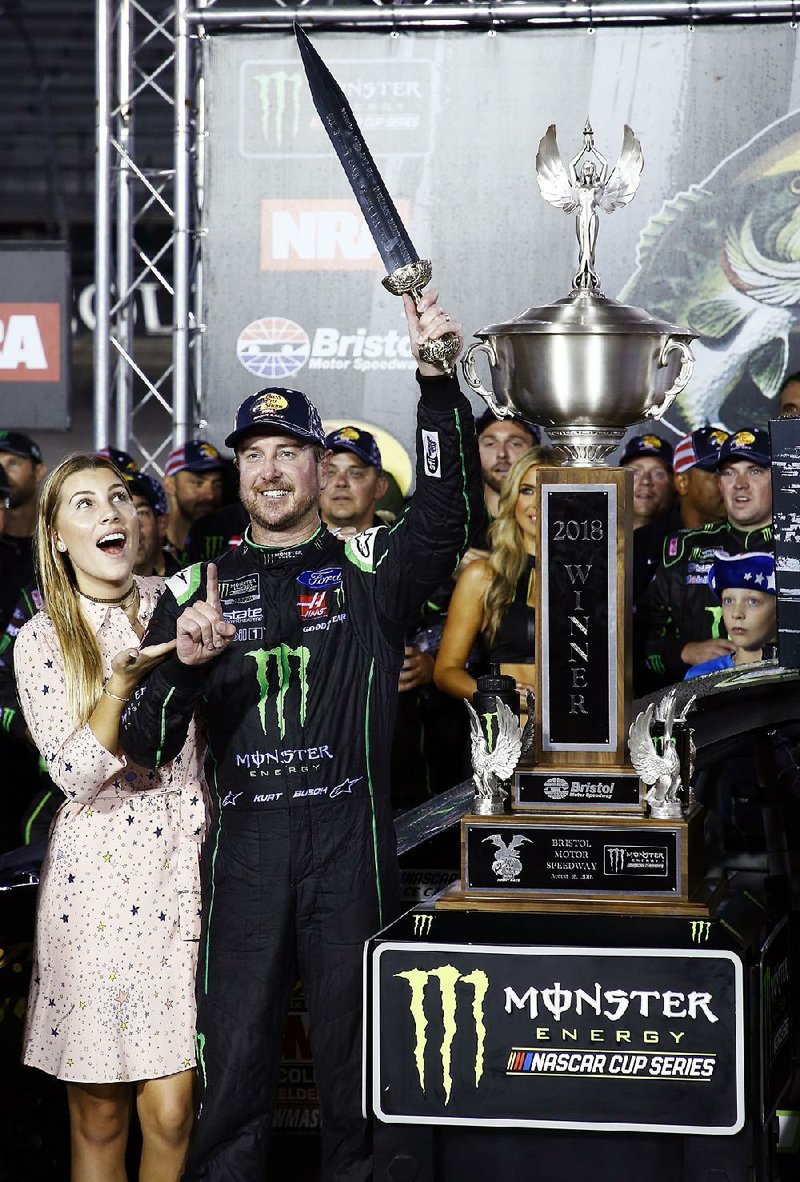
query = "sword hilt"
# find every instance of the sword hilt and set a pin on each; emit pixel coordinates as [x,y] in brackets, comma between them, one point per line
[411,280]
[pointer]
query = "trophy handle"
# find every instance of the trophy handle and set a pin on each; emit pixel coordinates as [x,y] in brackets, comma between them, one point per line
[684,373]
[499,409]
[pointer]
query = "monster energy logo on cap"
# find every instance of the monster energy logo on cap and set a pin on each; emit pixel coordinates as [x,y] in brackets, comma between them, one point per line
[282,655]
[447,976]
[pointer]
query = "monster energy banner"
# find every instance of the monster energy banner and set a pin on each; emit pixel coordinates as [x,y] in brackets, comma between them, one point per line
[581,1038]
[712,239]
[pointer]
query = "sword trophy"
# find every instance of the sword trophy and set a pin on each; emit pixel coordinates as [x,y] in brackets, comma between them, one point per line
[407,272]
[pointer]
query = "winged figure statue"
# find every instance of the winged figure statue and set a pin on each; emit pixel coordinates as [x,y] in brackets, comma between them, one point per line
[661,772]
[493,766]
[507,864]
[586,187]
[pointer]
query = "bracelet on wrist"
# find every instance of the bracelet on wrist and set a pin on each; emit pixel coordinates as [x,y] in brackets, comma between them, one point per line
[116,697]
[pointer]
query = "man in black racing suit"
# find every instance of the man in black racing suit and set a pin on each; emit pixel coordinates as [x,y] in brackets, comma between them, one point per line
[298,684]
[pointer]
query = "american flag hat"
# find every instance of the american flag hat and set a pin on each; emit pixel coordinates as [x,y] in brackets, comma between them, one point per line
[699,449]
[196,455]
[753,572]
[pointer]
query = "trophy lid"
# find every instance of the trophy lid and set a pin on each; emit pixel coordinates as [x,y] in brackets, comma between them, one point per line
[585,312]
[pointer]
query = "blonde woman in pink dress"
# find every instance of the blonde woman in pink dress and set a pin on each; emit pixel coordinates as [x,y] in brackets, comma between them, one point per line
[112,992]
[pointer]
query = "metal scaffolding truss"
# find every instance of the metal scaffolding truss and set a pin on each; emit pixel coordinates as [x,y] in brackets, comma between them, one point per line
[147,58]
[144,61]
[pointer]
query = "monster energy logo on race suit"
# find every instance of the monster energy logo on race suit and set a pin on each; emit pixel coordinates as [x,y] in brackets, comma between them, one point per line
[447,977]
[282,656]
[277,92]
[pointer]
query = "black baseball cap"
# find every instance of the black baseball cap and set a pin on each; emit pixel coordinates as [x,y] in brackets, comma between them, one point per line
[647,445]
[361,443]
[749,444]
[289,412]
[489,418]
[123,461]
[18,444]
[142,484]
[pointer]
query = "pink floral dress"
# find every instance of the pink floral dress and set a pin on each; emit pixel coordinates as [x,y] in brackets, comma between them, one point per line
[112,988]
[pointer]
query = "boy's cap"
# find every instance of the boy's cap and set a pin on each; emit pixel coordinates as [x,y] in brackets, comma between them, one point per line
[141,484]
[121,460]
[647,445]
[489,419]
[748,444]
[290,412]
[753,572]
[699,449]
[361,443]
[196,455]
[16,443]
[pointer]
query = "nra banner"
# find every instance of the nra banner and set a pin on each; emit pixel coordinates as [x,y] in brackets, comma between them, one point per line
[35,301]
[647,1040]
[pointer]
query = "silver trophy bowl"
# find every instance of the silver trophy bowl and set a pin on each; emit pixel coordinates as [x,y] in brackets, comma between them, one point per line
[585,368]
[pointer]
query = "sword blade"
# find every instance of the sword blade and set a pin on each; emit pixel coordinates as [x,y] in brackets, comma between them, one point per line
[389,234]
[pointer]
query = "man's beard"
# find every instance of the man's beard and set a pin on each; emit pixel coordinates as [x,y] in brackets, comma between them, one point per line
[286,514]
[495,483]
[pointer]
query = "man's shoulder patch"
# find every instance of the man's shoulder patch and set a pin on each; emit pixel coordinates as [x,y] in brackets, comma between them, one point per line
[360,550]
[184,583]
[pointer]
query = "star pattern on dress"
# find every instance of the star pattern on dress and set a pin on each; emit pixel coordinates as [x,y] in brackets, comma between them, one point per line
[102,1028]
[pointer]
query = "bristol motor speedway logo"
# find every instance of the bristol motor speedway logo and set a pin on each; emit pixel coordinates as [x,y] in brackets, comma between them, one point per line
[274,347]
[30,340]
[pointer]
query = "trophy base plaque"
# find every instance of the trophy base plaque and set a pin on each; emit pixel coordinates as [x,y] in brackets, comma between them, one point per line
[618,862]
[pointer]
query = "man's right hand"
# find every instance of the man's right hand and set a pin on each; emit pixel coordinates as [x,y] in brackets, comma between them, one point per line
[202,632]
[698,651]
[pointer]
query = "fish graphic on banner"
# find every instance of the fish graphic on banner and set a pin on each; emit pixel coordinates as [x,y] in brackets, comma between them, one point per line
[723,256]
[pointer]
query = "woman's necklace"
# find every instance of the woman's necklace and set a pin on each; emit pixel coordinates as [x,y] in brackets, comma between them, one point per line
[121,601]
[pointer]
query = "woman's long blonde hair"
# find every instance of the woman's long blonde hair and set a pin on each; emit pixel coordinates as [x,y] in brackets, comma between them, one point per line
[83,666]
[507,555]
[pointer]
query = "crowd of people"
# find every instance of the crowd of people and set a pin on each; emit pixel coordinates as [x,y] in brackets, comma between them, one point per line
[213,704]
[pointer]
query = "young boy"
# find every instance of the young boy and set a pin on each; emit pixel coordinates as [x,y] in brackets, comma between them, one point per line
[745,586]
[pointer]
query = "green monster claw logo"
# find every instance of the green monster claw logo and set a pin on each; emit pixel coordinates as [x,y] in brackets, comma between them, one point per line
[448,977]
[275,92]
[490,719]
[716,621]
[282,655]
